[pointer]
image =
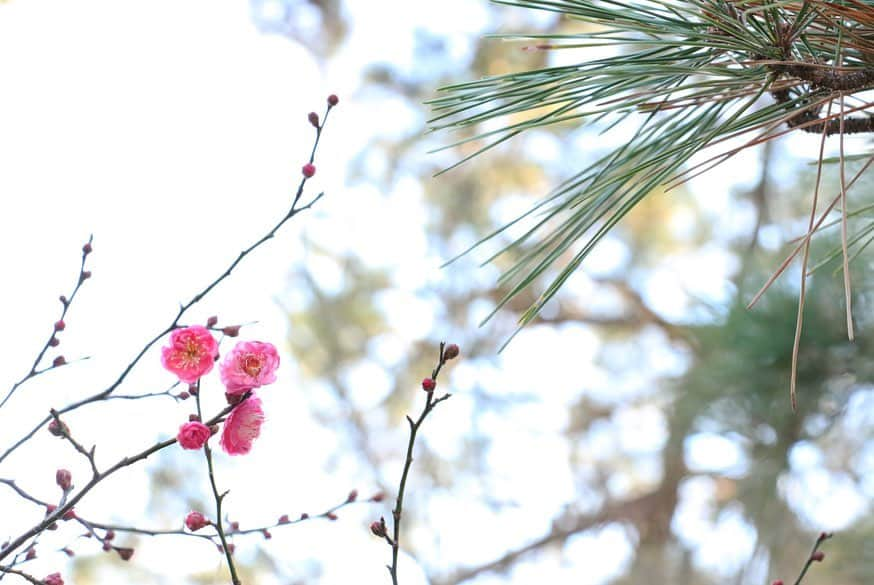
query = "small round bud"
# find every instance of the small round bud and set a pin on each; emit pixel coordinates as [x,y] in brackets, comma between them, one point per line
[212,321]
[64,479]
[184,395]
[314,119]
[450,352]
[231,330]
[267,535]
[331,516]
[125,553]
[31,554]
[86,274]
[777,582]
[818,556]
[353,495]
[107,546]
[68,551]
[60,325]
[378,528]
[235,526]
[53,579]
[69,514]
[377,497]
[333,100]
[193,418]
[195,521]
[192,389]
[304,516]
[110,534]
[58,362]
[428,385]
[58,429]
[87,249]
[308,170]
[283,519]
[54,342]
[63,300]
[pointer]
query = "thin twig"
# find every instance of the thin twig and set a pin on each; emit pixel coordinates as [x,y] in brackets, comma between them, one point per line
[813,557]
[430,402]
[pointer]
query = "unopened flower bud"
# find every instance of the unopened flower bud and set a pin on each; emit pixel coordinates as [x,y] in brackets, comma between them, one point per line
[31,554]
[58,428]
[378,497]
[308,170]
[378,528]
[192,389]
[777,582]
[195,521]
[54,341]
[86,274]
[69,514]
[283,519]
[818,556]
[231,330]
[235,526]
[428,385]
[353,495]
[314,119]
[110,534]
[333,100]
[68,551]
[63,300]
[212,321]
[125,553]
[87,249]
[64,479]
[107,546]
[331,516]
[450,352]
[184,395]
[60,325]
[193,418]
[59,361]
[53,579]
[304,516]
[266,534]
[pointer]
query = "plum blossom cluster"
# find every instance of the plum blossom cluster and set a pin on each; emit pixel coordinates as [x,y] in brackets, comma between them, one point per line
[191,354]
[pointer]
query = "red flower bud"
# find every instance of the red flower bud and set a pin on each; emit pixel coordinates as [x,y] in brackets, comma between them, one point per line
[266,534]
[314,119]
[195,521]
[231,330]
[86,274]
[308,170]
[193,418]
[818,556]
[69,514]
[283,519]
[184,395]
[428,385]
[378,528]
[58,429]
[450,352]
[59,361]
[54,341]
[107,546]
[60,325]
[378,497]
[777,582]
[31,554]
[110,534]
[304,516]
[64,479]
[331,516]
[87,249]
[212,321]
[235,526]
[333,100]
[53,579]
[125,553]
[353,495]
[63,300]
[68,551]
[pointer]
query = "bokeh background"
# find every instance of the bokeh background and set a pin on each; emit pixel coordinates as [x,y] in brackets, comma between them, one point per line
[639,432]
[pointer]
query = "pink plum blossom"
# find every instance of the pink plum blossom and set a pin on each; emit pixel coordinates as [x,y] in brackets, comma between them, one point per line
[191,353]
[193,435]
[251,364]
[242,427]
[195,521]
